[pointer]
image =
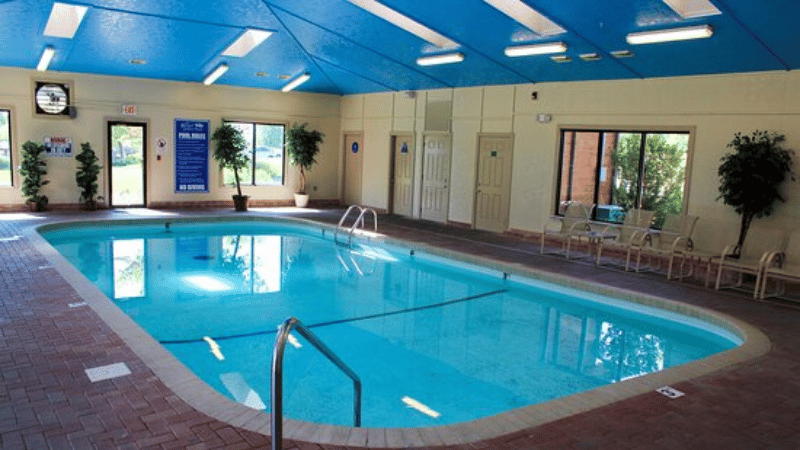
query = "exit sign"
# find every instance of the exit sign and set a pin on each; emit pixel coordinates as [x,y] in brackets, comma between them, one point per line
[129,110]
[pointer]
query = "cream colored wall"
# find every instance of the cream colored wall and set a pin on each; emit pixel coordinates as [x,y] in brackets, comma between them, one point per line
[100,98]
[713,107]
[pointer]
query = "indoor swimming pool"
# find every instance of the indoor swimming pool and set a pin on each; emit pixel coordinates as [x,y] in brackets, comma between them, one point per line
[435,342]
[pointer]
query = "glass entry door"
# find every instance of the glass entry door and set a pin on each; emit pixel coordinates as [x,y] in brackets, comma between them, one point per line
[128,155]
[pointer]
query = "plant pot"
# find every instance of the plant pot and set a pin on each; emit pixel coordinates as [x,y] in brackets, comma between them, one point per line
[240,202]
[301,200]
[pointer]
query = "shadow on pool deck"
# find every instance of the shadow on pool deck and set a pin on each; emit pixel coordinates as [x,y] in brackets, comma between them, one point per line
[46,400]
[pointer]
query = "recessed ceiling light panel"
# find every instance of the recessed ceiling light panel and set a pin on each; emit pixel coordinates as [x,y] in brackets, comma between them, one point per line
[64,20]
[669,35]
[246,42]
[405,23]
[536,49]
[435,60]
[690,9]
[527,16]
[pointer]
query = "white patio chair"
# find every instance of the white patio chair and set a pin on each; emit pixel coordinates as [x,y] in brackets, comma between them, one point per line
[575,219]
[757,248]
[673,240]
[782,266]
[629,235]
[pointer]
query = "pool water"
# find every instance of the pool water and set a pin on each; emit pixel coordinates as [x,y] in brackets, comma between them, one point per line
[434,343]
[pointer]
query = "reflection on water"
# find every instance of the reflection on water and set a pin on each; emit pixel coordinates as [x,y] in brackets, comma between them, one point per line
[129,280]
[432,344]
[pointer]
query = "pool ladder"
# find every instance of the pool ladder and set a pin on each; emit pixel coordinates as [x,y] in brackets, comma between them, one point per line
[358,223]
[277,376]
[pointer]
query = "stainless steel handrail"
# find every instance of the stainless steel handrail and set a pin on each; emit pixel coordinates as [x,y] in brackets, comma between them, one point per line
[361,220]
[277,376]
[344,216]
[358,223]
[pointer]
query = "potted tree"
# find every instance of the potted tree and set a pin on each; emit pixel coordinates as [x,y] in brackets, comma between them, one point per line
[302,146]
[751,176]
[33,169]
[86,176]
[230,155]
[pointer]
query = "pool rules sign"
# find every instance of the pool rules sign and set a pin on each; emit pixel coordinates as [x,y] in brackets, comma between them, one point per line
[191,155]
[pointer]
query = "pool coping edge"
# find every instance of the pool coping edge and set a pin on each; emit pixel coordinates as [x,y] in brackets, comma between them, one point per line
[205,399]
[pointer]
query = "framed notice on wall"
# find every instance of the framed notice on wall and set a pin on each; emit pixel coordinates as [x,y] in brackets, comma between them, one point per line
[58,146]
[191,155]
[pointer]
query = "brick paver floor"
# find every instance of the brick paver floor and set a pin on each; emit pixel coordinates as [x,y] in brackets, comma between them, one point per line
[47,401]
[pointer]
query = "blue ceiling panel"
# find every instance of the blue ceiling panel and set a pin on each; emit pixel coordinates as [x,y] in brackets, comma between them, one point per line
[240,13]
[340,52]
[348,50]
[175,50]
[773,22]
[349,82]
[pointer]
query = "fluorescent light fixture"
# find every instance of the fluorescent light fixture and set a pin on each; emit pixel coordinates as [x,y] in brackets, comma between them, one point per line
[216,73]
[536,49]
[447,58]
[406,23]
[673,34]
[561,58]
[47,56]
[64,20]
[527,16]
[296,82]
[246,42]
[590,57]
[691,9]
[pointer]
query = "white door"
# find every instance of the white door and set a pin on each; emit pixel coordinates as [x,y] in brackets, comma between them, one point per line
[493,183]
[403,175]
[353,168]
[435,178]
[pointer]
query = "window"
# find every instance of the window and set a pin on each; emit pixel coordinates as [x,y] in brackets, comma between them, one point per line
[265,150]
[6,168]
[619,170]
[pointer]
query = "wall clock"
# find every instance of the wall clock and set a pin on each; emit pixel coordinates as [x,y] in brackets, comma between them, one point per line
[51,98]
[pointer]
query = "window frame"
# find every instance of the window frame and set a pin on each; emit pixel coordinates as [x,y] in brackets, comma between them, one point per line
[255,123]
[11,158]
[644,130]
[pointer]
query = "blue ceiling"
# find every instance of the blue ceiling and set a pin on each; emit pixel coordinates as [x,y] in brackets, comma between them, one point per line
[346,50]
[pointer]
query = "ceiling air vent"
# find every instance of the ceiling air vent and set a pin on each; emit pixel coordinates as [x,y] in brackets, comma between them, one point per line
[591,57]
[622,54]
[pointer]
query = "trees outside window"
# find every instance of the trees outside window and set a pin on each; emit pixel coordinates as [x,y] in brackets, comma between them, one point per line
[620,170]
[265,149]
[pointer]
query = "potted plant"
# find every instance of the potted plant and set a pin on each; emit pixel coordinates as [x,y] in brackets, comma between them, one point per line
[86,176]
[230,155]
[750,177]
[302,146]
[32,169]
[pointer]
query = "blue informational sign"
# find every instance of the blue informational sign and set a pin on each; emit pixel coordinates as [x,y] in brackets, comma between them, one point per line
[404,148]
[191,155]
[355,147]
